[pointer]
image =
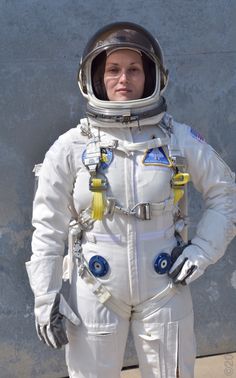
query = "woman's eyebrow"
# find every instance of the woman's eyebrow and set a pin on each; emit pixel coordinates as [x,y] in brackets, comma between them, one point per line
[117,64]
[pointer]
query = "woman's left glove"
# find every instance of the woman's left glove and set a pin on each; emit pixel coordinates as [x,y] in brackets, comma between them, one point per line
[190,265]
[51,308]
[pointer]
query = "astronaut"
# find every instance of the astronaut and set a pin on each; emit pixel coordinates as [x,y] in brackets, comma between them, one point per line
[117,185]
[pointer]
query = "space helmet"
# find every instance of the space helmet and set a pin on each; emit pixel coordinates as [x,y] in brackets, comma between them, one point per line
[122,35]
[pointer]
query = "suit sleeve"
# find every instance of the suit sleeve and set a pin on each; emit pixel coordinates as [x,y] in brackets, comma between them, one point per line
[51,217]
[213,178]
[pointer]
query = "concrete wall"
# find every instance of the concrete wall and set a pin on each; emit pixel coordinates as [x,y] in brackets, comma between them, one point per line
[41,42]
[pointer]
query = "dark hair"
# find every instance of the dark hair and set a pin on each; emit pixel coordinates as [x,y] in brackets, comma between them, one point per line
[150,76]
[98,69]
[97,74]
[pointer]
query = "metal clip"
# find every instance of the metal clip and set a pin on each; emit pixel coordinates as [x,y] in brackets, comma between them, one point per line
[180,179]
[77,249]
[92,157]
[142,211]
[81,269]
[91,162]
[85,220]
[110,207]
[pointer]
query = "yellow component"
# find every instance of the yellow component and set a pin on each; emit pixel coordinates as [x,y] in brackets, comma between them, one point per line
[180,179]
[178,194]
[98,202]
[178,182]
[104,158]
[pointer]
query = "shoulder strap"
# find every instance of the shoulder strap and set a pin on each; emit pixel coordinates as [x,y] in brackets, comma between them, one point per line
[180,169]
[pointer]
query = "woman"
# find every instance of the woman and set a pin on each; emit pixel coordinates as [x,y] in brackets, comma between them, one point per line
[121,175]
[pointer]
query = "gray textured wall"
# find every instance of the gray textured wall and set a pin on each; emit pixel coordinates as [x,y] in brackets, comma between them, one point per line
[41,42]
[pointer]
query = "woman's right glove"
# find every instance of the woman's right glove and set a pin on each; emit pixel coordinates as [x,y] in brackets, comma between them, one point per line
[51,308]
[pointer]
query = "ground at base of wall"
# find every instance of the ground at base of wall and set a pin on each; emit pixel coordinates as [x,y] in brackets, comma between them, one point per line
[221,366]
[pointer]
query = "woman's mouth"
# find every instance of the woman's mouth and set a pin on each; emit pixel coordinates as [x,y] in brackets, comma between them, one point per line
[123,90]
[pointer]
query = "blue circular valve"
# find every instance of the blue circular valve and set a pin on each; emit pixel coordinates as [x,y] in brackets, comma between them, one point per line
[162,263]
[98,266]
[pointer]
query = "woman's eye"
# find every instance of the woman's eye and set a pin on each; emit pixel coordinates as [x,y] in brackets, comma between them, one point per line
[113,71]
[134,69]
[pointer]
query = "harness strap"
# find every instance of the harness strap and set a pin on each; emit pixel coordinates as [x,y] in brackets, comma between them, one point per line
[98,187]
[101,292]
[118,306]
[142,146]
[154,303]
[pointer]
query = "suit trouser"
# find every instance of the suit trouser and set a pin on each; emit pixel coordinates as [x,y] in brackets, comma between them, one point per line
[164,339]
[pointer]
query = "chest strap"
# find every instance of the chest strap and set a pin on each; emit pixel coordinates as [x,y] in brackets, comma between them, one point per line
[128,147]
[142,210]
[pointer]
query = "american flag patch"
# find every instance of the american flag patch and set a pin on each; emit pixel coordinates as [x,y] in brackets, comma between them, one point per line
[196,135]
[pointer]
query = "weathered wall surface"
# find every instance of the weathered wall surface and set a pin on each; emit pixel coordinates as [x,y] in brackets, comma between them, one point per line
[41,42]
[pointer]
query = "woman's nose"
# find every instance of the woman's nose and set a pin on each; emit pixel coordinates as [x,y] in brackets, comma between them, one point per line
[123,76]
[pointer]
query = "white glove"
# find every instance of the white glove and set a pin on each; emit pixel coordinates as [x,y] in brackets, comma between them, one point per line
[51,309]
[190,265]
[50,313]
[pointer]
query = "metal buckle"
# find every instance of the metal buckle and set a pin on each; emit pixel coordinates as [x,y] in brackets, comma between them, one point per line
[93,156]
[142,211]
[85,221]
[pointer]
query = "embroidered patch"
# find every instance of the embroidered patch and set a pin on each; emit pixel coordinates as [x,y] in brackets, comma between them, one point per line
[107,156]
[156,156]
[196,135]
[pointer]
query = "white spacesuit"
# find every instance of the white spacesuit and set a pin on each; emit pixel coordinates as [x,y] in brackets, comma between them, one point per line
[121,175]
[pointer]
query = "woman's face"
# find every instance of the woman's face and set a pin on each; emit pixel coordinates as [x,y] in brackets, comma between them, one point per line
[124,75]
